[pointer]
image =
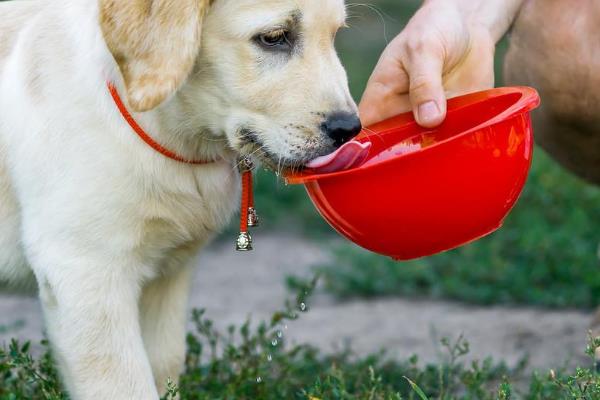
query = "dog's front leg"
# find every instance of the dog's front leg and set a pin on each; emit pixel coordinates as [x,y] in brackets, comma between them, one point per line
[91,308]
[163,319]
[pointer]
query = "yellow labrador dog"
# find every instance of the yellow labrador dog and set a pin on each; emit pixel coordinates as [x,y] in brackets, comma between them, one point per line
[107,224]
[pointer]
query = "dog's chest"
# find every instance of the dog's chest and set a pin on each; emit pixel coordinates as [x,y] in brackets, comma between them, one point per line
[183,213]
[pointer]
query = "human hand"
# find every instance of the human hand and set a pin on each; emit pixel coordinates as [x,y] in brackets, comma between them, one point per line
[447,49]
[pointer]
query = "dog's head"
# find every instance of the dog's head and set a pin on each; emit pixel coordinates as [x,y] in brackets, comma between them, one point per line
[264,73]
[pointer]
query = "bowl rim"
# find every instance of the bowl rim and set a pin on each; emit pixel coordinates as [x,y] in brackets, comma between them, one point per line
[528,101]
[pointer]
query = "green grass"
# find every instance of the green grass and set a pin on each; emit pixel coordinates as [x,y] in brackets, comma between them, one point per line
[243,363]
[546,254]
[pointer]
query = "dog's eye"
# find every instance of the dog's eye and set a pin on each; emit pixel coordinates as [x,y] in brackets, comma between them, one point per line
[279,39]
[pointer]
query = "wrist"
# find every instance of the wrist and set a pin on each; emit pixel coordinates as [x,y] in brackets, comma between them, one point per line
[494,16]
[498,16]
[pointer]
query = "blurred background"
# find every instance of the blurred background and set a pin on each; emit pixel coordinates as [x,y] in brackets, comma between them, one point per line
[528,290]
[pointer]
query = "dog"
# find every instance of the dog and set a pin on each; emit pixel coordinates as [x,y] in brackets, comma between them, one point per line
[106,224]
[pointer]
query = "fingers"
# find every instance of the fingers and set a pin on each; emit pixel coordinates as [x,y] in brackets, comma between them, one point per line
[408,77]
[380,104]
[415,83]
[426,90]
[386,92]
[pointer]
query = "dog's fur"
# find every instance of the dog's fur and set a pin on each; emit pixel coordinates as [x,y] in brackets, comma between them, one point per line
[106,224]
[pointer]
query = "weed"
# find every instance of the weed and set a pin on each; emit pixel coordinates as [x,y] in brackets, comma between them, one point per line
[255,362]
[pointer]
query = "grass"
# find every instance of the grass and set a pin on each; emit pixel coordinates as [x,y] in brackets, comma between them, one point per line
[545,255]
[255,362]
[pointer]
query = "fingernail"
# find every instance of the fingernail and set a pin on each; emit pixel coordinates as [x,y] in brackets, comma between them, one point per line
[428,112]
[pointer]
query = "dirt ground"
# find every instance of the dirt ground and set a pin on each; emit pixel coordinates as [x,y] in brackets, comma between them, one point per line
[233,286]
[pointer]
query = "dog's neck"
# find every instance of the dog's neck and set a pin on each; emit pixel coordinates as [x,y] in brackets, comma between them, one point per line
[175,127]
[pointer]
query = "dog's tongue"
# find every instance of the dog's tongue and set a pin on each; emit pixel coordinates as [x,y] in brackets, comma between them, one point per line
[350,155]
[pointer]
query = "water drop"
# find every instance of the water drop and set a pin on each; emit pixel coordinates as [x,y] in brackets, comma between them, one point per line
[279,334]
[303,306]
[275,342]
[269,358]
[258,379]
[285,327]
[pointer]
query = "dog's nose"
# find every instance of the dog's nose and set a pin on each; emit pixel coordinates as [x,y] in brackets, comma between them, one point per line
[342,127]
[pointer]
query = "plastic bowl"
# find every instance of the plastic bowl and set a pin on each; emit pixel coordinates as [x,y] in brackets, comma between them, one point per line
[420,191]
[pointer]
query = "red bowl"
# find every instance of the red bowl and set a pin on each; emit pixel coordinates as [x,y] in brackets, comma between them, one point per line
[423,191]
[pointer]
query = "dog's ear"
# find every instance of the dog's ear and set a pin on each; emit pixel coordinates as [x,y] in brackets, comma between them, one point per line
[155,43]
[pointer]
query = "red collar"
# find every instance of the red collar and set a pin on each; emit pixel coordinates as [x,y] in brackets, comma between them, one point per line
[248,216]
[142,134]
